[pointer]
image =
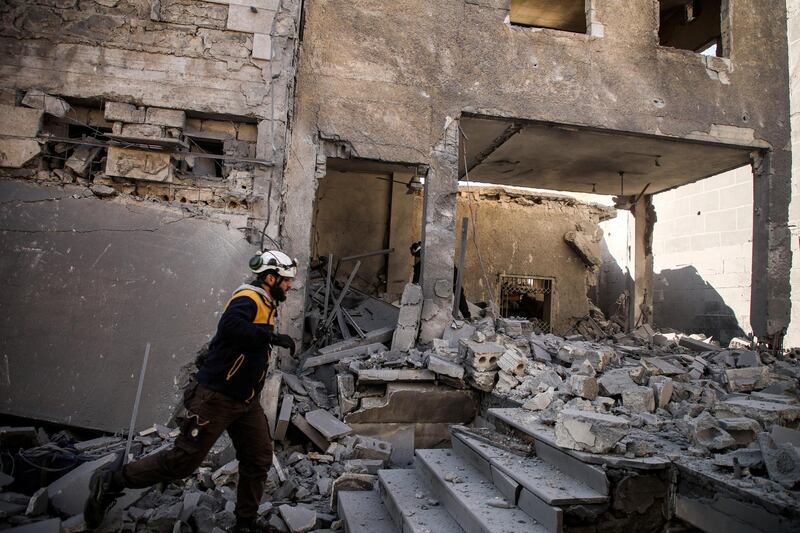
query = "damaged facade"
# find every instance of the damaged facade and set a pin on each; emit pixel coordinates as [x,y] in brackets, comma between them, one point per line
[149,148]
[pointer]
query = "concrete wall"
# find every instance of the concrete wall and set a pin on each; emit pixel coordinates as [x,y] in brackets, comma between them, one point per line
[92,280]
[404,67]
[522,233]
[793,335]
[702,250]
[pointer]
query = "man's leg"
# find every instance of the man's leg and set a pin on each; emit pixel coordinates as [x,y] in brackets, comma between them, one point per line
[253,444]
[208,414]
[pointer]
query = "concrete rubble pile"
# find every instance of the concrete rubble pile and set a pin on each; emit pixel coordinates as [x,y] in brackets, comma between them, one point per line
[642,394]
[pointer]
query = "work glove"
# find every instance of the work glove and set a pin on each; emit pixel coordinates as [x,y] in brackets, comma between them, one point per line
[284,341]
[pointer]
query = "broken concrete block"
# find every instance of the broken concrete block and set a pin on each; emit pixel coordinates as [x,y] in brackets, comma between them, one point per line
[600,356]
[120,112]
[103,191]
[138,164]
[782,461]
[513,362]
[482,356]
[357,352]
[69,492]
[589,431]
[408,321]
[351,482]
[512,327]
[662,389]
[141,131]
[20,121]
[697,345]
[171,118]
[782,435]
[378,375]
[313,435]
[738,343]
[444,367]
[81,159]
[708,433]
[317,392]
[584,247]
[294,384]
[747,379]
[657,366]
[284,417]
[370,448]
[582,386]
[298,519]
[639,399]
[743,430]
[541,401]
[52,105]
[482,380]
[746,457]
[747,358]
[269,399]
[417,403]
[505,382]
[262,46]
[16,153]
[329,426]
[615,382]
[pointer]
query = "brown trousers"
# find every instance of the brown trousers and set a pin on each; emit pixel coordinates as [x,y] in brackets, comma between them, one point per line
[209,413]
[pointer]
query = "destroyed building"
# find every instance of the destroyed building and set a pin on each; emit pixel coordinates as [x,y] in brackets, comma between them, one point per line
[149,148]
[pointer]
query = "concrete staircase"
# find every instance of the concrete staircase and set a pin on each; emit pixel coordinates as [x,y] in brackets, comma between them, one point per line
[476,487]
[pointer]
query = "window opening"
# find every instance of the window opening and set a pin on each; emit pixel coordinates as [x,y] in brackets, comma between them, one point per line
[564,15]
[694,25]
[205,166]
[527,297]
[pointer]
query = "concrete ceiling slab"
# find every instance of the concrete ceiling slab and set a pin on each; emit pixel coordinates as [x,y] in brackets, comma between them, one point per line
[566,158]
[568,15]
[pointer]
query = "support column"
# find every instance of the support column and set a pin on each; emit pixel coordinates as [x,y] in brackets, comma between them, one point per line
[438,236]
[770,302]
[641,308]
[299,194]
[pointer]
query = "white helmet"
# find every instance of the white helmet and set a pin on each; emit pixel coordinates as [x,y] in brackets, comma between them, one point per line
[275,260]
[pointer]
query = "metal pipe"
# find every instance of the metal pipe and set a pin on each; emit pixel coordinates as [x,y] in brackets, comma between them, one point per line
[136,404]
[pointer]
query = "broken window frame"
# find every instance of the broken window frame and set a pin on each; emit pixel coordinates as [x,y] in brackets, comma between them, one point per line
[721,40]
[549,290]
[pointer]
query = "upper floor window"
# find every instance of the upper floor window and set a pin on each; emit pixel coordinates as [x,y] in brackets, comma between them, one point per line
[695,25]
[565,15]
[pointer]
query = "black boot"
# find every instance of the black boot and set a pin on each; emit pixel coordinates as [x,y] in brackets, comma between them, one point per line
[105,487]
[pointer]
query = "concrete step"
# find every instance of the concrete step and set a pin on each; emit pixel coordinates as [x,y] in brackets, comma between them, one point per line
[533,473]
[567,461]
[363,512]
[491,464]
[412,505]
[467,494]
[527,423]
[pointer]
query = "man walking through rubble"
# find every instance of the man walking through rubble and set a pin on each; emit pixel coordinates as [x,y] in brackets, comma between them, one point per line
[225,397]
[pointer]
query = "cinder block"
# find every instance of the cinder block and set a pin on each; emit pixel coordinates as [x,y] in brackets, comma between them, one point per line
[20,121]
[720,220]
[705,241]
[738,196]
[708,201]
[120,112]
[171,118]
[262,46]
[242,18]
[138,164]
[143,131]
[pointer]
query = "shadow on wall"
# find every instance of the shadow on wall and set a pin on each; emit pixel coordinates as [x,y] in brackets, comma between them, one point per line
[684,301]
[612,281]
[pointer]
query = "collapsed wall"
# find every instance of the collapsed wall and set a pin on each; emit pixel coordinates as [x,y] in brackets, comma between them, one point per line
[141,146]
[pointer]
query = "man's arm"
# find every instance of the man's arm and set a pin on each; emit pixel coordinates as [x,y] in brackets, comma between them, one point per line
[237,322]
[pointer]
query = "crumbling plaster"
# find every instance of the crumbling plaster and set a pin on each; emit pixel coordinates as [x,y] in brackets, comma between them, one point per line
[403,67]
